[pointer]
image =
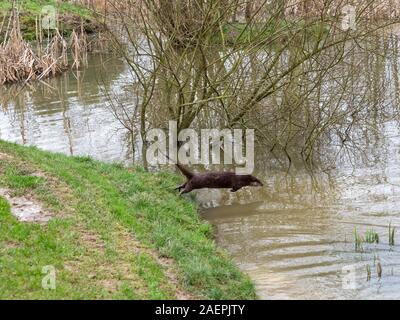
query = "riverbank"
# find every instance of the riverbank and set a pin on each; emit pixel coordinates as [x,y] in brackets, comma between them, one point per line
[61,31]
[69,17]
[111,232]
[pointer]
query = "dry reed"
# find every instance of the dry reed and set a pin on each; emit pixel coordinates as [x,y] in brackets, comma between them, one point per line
[19,62]
[79,48]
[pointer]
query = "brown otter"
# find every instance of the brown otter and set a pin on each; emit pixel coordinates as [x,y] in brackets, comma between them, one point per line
[215,180]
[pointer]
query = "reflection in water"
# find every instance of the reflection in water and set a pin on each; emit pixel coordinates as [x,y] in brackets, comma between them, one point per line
[293,236]
[68,114]
[295,240]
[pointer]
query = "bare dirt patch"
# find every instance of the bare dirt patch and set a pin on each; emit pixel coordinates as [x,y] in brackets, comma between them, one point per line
[5,156]
[9,245]
[28,207]
[25,208]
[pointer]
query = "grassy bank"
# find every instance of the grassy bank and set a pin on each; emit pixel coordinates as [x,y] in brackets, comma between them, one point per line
[69,16]
[115,233]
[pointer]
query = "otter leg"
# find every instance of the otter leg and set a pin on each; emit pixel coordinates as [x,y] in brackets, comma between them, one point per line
[234,188]
[187,189]
[181,186]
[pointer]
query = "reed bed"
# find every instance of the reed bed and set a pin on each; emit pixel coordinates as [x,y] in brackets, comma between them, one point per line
[20,62]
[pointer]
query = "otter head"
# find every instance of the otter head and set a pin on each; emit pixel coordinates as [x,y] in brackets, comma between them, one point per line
[254,182]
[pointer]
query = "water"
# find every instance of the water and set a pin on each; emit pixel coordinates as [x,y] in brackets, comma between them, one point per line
[299,244]
[294,237]
[70,114]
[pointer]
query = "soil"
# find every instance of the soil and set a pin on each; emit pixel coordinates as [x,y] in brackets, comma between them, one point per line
[25,208]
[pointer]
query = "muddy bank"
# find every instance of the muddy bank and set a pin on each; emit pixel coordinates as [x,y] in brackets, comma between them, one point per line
[25,209]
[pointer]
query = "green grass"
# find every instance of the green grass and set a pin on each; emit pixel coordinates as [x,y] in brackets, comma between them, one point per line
[35,7]
[371,236]
[133,215]
[358,241]
[31,10]
[240,33]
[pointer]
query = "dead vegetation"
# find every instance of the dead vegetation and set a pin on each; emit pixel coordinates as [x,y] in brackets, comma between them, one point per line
[289,77]
[21,62]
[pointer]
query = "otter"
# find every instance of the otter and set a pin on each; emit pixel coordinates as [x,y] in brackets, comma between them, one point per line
[216,180]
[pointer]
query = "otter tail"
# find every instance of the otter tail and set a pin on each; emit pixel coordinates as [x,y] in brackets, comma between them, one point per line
[186,172]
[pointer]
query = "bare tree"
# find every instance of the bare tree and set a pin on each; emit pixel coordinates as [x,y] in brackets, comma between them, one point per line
[272,70]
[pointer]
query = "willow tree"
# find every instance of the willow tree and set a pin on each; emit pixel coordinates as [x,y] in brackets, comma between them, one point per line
[189,59]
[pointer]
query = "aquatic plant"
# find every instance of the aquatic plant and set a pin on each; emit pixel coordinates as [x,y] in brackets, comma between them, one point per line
[79,48]
[371,236]
[379,269]
[391,234]
[358,241]
[368,272]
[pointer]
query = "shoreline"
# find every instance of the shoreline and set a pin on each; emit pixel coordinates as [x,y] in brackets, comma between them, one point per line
[36,39]
[69,17]
[112,232]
